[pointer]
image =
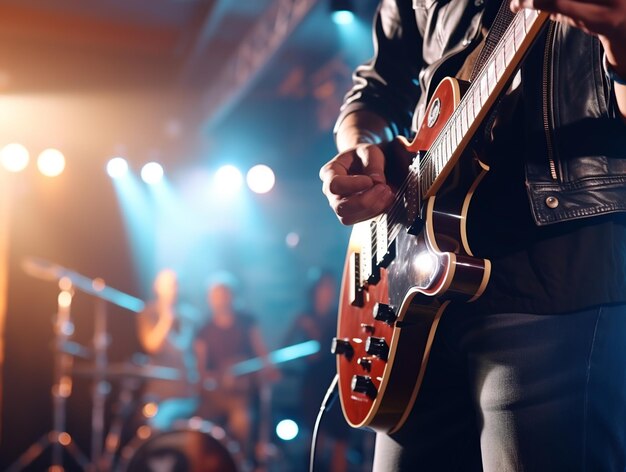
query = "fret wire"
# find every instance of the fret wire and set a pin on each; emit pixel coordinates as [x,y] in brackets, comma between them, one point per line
[476,100]
[484,90]
[491,76]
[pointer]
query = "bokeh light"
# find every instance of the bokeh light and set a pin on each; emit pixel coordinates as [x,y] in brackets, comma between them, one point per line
[343,17]
[227,180]
[292,239]
[287,430]
[152,173]
[260,179]
[117,167]
[51,162]
[14,157]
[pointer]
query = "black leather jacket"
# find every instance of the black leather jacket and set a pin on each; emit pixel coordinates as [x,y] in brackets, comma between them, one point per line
[575,144]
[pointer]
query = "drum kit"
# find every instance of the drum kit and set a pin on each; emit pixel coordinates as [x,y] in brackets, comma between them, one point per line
[192,445]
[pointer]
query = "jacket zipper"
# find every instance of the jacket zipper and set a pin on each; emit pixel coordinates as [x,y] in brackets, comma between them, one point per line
[547,97]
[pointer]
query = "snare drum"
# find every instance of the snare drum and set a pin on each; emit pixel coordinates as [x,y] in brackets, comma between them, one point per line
[196,446]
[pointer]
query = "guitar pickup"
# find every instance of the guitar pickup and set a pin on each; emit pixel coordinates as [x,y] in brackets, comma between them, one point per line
[355,295]
[385,251]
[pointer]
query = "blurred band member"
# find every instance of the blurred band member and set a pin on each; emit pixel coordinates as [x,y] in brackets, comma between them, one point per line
[167,337]
[230,337]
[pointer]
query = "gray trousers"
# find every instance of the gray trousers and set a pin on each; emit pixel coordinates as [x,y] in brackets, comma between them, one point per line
[518,392]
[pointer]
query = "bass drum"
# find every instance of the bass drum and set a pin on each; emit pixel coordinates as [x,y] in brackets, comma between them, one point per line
[196,447]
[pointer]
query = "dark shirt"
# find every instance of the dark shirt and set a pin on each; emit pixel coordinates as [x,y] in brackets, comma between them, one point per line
[226,346]
[549,269]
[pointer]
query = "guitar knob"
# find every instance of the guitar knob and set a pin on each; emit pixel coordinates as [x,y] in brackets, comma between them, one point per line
[341,347]
[365,362]
[377,347]
[363,384]
[368,328]
[385,313]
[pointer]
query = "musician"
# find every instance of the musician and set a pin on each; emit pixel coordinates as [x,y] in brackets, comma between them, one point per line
[166,334]
[229,337]
[531,376]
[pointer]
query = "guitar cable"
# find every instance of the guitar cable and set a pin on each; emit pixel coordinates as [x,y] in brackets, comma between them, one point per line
[327,403]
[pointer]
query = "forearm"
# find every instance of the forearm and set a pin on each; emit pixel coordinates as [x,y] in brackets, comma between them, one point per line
[360,127]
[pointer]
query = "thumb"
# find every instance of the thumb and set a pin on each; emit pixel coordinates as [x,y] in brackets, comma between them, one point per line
[373,161]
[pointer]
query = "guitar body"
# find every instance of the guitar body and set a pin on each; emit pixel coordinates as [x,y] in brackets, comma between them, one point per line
[381,362]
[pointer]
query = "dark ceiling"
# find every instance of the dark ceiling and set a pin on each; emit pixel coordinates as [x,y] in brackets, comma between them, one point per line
[100,78]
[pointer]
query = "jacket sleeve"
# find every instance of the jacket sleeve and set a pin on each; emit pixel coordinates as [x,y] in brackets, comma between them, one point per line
[388,83]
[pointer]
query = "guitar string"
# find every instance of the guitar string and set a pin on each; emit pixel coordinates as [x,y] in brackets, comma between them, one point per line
[427,163]
[447,130]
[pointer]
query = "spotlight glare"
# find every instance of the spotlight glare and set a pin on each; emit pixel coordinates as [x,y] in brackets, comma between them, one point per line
[228,180]
[260,179]
[117,167]
[343,17]
[152,173]
[14,157]
[287,430]
[51,162]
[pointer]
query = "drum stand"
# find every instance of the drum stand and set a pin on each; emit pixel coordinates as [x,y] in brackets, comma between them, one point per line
[58,439]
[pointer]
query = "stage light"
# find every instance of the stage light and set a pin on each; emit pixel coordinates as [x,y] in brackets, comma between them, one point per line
[51,162]
[117,167]
[287,430]
[152,173]
[260,179]
[14,157]
[342,11]
[227,180]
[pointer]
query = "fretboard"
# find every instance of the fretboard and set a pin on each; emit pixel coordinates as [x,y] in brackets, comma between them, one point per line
[429,171]
[479,98]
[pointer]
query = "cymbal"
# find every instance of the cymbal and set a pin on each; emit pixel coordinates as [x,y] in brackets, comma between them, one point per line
[127,369]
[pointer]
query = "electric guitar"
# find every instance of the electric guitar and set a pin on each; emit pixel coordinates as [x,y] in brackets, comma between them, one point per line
[405,266]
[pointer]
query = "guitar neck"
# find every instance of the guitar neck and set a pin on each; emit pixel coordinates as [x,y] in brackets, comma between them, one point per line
[429,170]
[499,67]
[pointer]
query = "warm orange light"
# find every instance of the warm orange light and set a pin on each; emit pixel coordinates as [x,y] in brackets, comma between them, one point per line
[65,439]
[14,157]
[150,410]
[144,432]
[65,283]
[51,162]
[98,284]
[65,299]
